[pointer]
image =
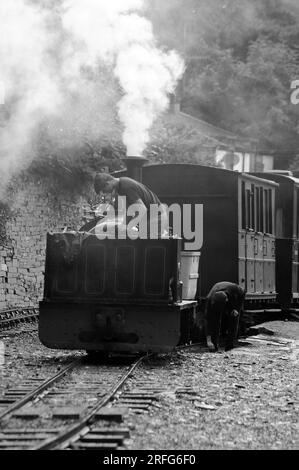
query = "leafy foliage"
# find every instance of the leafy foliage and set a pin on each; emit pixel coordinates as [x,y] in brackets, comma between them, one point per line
[241,58]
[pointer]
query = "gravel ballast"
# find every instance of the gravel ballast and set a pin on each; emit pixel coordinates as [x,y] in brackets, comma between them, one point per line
[242,399]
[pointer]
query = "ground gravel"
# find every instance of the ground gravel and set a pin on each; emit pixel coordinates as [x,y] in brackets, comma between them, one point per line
[242,399]
[25,357]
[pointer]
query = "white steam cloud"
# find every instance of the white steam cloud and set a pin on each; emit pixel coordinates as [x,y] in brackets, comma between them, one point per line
[27,85]
[113,31]
[43,52]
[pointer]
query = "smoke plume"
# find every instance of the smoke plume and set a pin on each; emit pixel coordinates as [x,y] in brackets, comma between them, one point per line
[114,32]
[51,58]
[28,87]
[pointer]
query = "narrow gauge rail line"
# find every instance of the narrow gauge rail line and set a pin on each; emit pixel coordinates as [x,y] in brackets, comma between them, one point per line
[87,435]
[13,317]
[84,434]
[31,395]
[73,433]
[100,382]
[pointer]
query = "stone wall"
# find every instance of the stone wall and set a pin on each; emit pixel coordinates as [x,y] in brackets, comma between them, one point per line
[35,211]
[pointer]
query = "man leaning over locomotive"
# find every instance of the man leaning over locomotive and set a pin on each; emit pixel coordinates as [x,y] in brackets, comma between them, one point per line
[138,199]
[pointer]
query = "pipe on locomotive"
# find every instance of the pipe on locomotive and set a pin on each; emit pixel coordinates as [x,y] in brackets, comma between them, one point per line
[134,167]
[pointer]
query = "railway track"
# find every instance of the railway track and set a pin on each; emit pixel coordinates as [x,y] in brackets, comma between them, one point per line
[63,411]
[15,398]
[87,434]
[13,318]
[69,409]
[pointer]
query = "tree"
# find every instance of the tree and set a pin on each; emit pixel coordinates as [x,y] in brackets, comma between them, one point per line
[241,57]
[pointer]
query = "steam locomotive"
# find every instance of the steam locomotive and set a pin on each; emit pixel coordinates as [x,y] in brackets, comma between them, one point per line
[127,296]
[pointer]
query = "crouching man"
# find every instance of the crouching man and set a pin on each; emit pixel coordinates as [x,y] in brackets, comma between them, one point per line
[224,305]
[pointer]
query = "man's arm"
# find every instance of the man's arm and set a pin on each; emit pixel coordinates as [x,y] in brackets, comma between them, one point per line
[136,212]
[141,207]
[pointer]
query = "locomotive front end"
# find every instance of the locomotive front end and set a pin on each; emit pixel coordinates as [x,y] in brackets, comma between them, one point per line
[111,295]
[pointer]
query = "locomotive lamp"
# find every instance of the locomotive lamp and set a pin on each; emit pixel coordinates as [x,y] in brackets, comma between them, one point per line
[134,166]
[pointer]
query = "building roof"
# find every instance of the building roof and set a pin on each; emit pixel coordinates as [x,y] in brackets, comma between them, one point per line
[216,135]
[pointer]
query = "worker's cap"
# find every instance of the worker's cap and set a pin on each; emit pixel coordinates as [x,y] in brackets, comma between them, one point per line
[219,298]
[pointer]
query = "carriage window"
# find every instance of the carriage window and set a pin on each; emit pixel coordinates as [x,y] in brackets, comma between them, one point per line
[243,206]
[270,211]
[252,208]
[261,210]
[268,227]
[258,213]
[266,206]
[248,212]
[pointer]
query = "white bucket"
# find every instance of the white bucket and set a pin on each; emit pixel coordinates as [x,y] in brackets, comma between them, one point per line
[189,273]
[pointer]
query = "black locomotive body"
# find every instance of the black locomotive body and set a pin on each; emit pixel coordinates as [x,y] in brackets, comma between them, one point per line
[113,295]
[287,238]
[122,295]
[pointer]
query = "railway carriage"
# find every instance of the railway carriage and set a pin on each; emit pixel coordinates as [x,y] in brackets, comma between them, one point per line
[287,238]
[238,223]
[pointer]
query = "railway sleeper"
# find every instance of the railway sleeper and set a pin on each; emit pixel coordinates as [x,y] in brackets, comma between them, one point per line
[107,438]
[94,446]
[125,432]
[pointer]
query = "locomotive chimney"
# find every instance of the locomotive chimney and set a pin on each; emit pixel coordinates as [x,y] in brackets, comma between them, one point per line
[134,167]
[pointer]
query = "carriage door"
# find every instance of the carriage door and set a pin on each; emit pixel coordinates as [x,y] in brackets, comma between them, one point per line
[269,241]
[242,235]
[250,237]
[258,240]
[295,254]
